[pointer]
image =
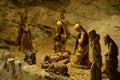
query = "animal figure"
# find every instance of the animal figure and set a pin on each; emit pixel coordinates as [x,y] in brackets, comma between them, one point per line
[30,57]
[52,66]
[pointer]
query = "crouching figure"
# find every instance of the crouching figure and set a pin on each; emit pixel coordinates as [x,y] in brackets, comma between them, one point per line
[81,57]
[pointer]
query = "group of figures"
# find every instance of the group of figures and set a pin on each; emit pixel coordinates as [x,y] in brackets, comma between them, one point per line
[57,62]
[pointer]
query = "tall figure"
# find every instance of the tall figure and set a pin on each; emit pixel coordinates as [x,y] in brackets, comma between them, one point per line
[81,56]
[24,39]
[111,64]
[24,34]
[97,58]
[61,33]
[59,37]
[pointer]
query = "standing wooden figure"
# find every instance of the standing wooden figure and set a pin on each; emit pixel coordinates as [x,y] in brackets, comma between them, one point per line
[59,38]
[24,36]
[111,64]
[97,58]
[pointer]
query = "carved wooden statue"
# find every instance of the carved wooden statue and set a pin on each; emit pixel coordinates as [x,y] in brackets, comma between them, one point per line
[111,64]
[59,38]
[97,58]
[81,56]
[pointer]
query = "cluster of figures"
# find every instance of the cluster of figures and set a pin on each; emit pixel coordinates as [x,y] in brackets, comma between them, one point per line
[56,63]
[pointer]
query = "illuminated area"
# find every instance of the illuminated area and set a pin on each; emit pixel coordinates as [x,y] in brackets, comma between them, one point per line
[59,39]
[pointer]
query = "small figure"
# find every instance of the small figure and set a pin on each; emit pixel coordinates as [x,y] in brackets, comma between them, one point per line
[97,58]
[59,38]
[24,36]
[62,57]
[57,57]
[81,56]
[30,57]
[52,66]
[111,64]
